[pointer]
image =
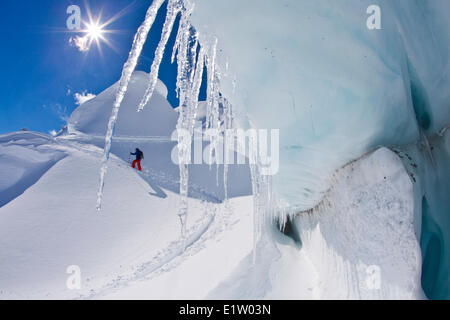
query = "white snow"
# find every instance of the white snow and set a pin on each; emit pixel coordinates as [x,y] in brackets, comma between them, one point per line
[92,117]
[25,157]
[49,222]
[54,225]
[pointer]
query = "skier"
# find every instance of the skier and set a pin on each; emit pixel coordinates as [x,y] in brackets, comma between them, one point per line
[139,156]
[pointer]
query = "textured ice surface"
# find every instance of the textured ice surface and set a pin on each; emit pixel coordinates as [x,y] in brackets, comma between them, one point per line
[429,166]
[337,90]
[361,239]
[334,88]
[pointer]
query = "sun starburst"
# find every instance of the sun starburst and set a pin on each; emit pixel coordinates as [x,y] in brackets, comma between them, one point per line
[95,31]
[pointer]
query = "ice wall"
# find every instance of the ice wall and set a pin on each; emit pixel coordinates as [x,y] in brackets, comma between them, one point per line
[337,90]
[429,166]
[334,88]
[361,239]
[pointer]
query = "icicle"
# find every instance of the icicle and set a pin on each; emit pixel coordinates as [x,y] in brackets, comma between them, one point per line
[127,71]
[262,200]
[176,45]
[191,61]
[227,125]
[212,86]
[256,216]
[182,56]
[173,8]
[186,74]
[213,110]
[183,142]
[197,83]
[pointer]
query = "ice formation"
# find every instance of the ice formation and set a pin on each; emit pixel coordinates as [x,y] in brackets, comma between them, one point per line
[338,90]
[173,8]
[335,89]
[191,60]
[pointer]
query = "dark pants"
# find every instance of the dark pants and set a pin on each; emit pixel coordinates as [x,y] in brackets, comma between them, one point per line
[138,163]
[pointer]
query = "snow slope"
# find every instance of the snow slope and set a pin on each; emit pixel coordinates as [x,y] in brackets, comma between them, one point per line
[151,130]
[21,166]
[54,225]
[48,219]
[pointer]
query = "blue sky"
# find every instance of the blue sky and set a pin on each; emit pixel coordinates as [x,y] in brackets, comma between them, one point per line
[41,71]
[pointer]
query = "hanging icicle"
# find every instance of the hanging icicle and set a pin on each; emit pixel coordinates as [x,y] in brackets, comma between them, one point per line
[192,57]
[186,59]
[228,140]
[173,9]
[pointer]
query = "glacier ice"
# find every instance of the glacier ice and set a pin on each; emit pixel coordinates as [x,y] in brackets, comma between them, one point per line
[342,254]
[428,165]
[336,90]
[369,208]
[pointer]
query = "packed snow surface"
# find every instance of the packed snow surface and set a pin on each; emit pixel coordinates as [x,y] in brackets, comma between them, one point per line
[54,225]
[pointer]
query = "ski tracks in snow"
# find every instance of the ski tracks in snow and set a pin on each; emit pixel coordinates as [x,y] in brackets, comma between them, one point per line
[206,229]
[216,219]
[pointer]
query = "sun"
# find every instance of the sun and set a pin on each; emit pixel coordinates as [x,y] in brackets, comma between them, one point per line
[94,31]
[97,31]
